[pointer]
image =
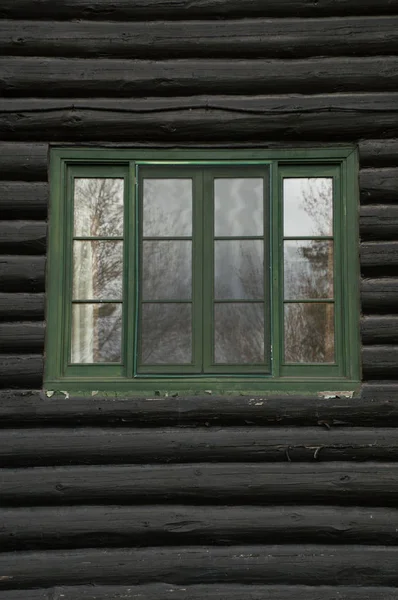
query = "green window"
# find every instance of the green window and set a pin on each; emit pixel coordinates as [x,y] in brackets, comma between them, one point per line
[203,271]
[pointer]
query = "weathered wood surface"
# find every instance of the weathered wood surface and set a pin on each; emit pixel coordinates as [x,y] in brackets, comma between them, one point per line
[342,117]
[49,528]
[22,273]
[271,38]
[51,77]
[181,9]
[163,591]
[23,237]
[378,153]
[380,294]
[379,222]
[27,162]
[21,336]
[33,447]
[379,185]
[21,370]
[21,306]
[302,564]
[379,329]
[377,406]
[379,254]
[380,361]
[369,483]
[17,198]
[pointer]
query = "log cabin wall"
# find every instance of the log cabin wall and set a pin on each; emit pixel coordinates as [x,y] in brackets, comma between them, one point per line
[193,498]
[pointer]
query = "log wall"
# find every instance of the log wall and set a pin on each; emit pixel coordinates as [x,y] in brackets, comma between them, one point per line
[193,498]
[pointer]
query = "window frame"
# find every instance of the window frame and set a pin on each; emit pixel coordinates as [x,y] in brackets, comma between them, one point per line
[302,378]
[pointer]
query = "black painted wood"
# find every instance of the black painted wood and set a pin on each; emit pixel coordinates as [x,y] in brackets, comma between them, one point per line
[379,254]
[21,370]
[180,9]
[271,38]
[22,273]
[22,337]
[378,153]
[380,295]
[21,306]
[286,564]
[27,162]
[48,528]
[380,361]
[20,198]
[51,77]
[379,222]
[379,329]
[379,185]
[369,483]
[23,237]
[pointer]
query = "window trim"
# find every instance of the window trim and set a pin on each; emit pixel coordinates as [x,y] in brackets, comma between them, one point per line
[283,379]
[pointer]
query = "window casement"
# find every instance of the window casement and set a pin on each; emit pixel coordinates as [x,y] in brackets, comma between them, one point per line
[194,271]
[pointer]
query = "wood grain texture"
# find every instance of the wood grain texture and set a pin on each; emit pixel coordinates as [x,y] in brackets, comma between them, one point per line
[23,237]
[51,77]
[379,221]
[379,185]
[270,38]
[21,306]
[342,117]
[378,153]
[284,564]
[379,329]
[379,254]
[21,370]
[22,273]
[27,162]
[65,446]
[379,295]
[369,483]
[49,528]
[380,361]
[22,337]
[163,591]
[182,9]
[18,198]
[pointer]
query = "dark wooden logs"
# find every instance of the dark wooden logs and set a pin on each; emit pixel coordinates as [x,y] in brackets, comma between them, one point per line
[163,591]
[379,254]
[378,153]
[379,329]
[51,77]
[380,294]
[20,197]
[33,447]
[380,361]
[279,38]
[255,564]
[342,117]
[97,526]
[21,306]
[369,483]
[23,237]
[21,370]
[22,337]
[22,273]
[379,185]
[378,222]
[182,9]
[27,162]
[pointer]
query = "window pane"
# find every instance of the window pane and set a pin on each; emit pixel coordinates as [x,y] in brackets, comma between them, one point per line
[239,333]
[167,207]
[308,269]
[167,270]
[308,206]
[96,333]
[97,270]
[239,269]
[98,207]
[166,334]
[309,333]
[238,206]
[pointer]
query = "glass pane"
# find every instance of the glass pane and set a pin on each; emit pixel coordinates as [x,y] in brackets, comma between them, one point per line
[308,268]
[166,334]
[167,207]
[239,333]
[309,333]
[167,270]
[98,207]
[239,269]
[308,206]
[96,333]
[238,206]
[97,270]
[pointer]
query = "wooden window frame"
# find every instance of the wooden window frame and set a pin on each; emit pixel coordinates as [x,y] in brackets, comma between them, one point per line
[339,162]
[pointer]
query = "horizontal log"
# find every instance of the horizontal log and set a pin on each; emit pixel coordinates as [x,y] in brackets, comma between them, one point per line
[380,221]
[182,9]
[378,406]
[370,483]
[23,237]
[271,38]
[164,591]
[379,185]
[342,117]
[379,254]
[21,306]
[21,370]
[378,153]
[380,329]
[22,337]
[29,199]
[380,361]
[34,447]
[22,273]
[52,77]
[256,564]
[27,162]
[380,294]
[124,526]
